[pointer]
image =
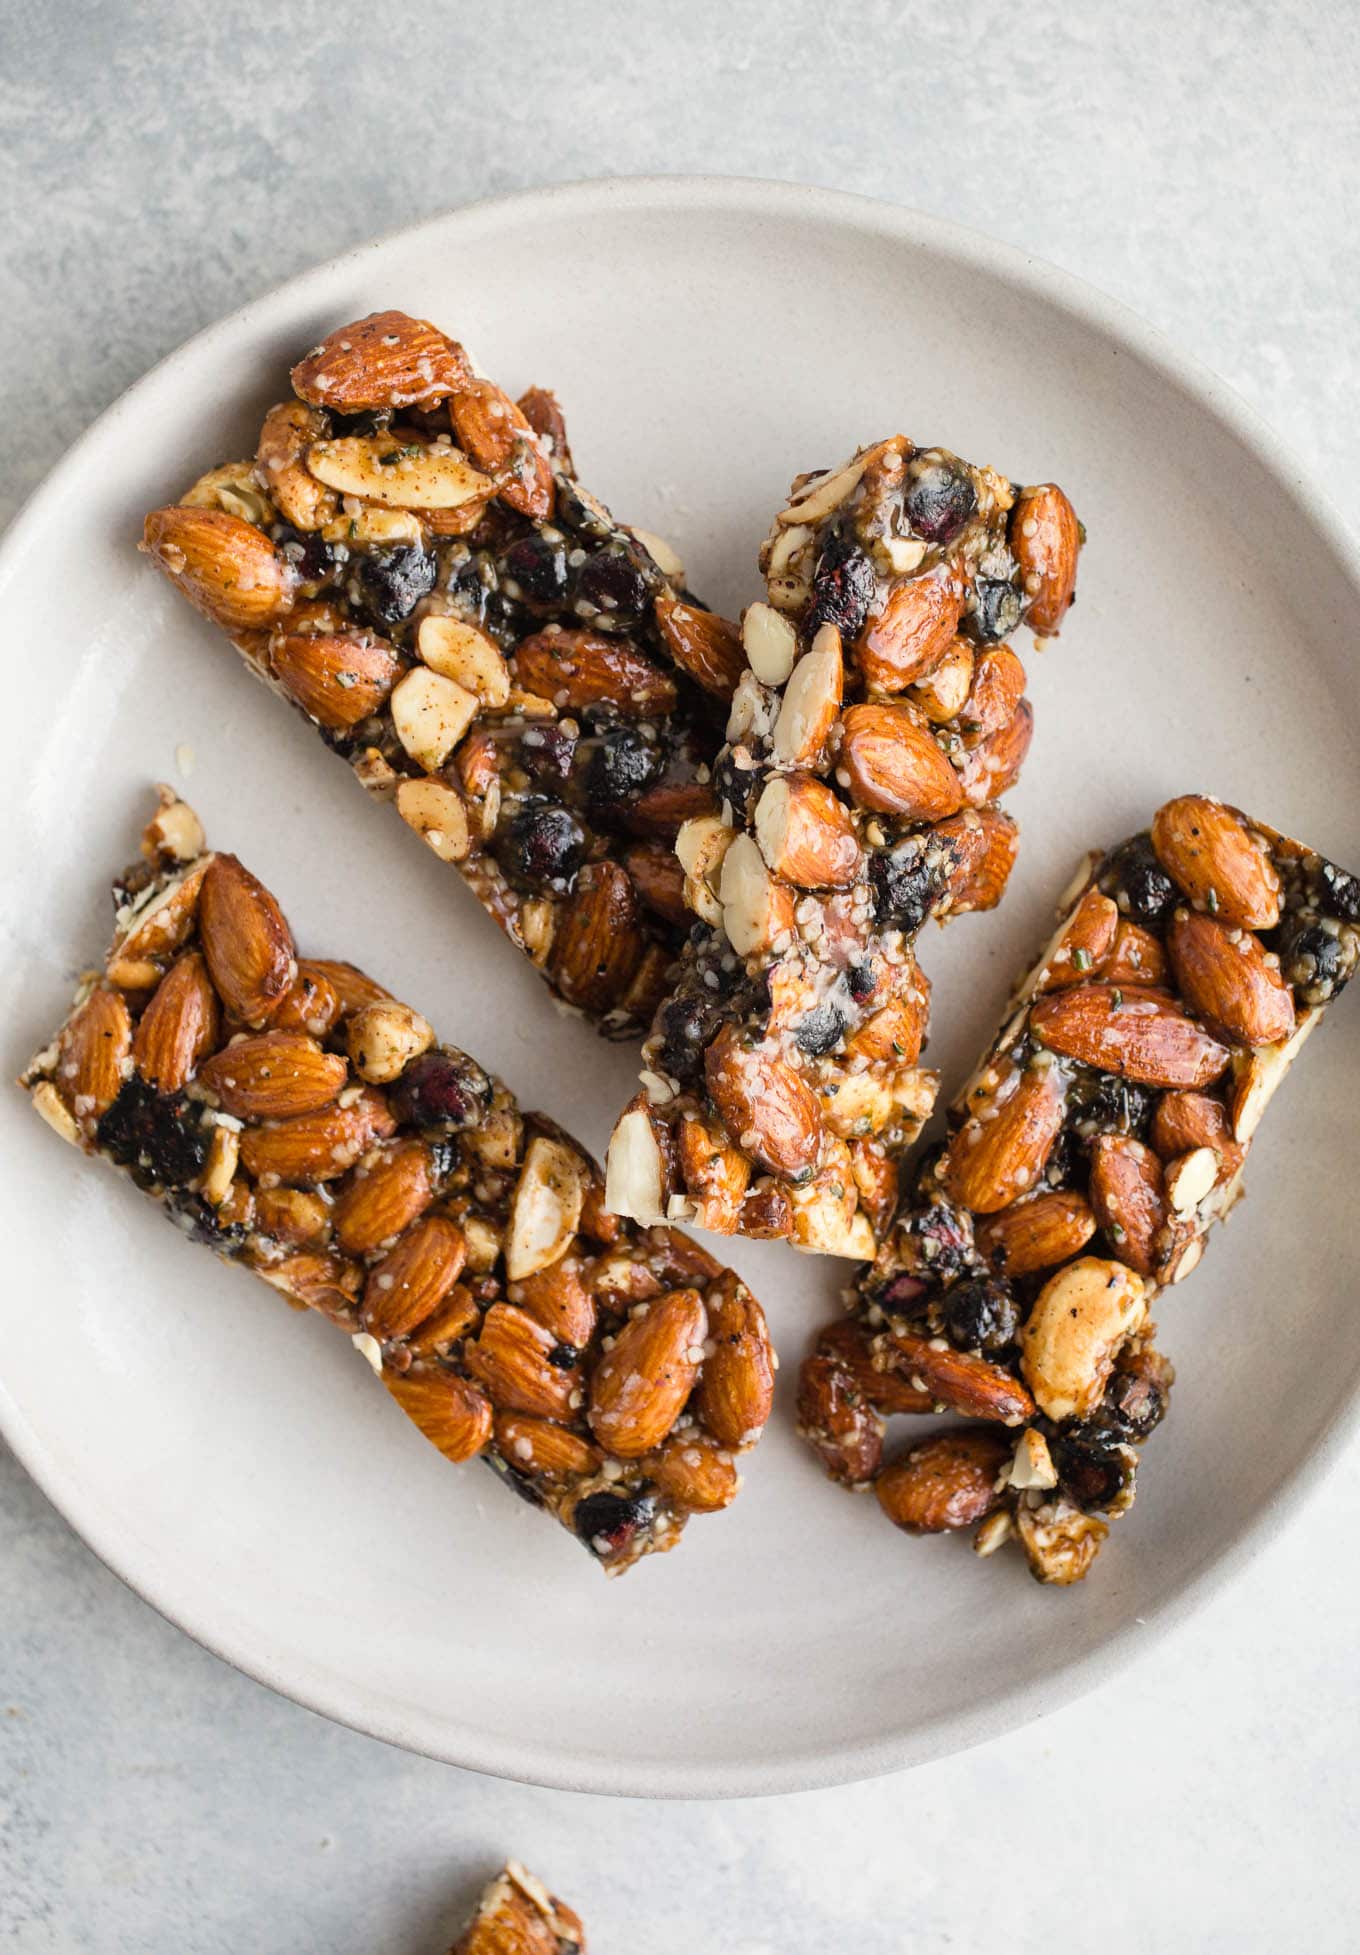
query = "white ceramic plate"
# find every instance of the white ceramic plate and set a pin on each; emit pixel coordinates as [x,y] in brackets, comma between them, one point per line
[232,1460]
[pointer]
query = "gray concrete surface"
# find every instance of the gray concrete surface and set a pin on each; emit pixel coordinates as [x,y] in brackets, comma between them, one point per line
[165,162]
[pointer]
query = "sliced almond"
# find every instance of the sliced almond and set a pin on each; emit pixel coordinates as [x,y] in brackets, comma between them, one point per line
[770,643]
[545,1211]
[1190,1178]
[398,475]
[757,910]
[463,653]
[636,1182]
[825,493]
[438,814]
[812,701]
[805,834]
[431,714]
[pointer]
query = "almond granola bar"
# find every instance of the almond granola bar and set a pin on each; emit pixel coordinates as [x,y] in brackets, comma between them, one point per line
[516,1915]
[300,1120]
[410,560]
[878,719]
[1101,1138]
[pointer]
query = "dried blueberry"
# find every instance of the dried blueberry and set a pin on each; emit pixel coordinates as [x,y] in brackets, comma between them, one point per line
[388,584]
[906,884]
[939,502]
[861,979]
[546,752]
[1316,960]
[687,1024]
[980,1314]
[443,1089]
[1102,1103]
[614,585]
[843,586]
[158,1136]
[608,1522]
[1338,892]
[542,846]
[1136,880]
[996,610]
[734,784]
[518,1481]
[624,763]
[201,1222]
[943,1240]
[535,568]
[1096,1477]
[1138,1398]
[315,560]
[819,1029]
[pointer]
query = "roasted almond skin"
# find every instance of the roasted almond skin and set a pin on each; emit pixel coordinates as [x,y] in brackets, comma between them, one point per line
[964,1383]
[246,941]
[703,644]
[659,880]
[694,1474]
[1182,1122]
[317,1147]
[736,1391]
[386,360]
[379,1204]
[228,569]
[415,1276]
[642,1382]
[805,834]
[546,1450]
[1036,1234]
[895,765]
[1045,538]
[1127,1197]
[838,1422]
[598,943]
[95,1042]
[949,1482]
[988,769]
[985,843]
[510,1361]
[882,1386]
[273,1076]
[178,1026]
[312,1003]
[338,678]
[990,1162]
[449,1410]
[763,1100]
[576,669]
[997,689]
[498,437]
[558,1297]
[1135,957]
[1085,943]
[1130,1030]
[353,987]
[1222,971]
[913,631]
[1209,853]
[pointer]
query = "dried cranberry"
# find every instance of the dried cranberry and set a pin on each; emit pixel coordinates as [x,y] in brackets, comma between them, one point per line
[608,1522]
[687,1024]
[562,1357]
[542,846]
[843,586]
[944,1243]
[939,503]
[546,752]
[536,568]
[861,979]
[980,1314]
[315,560]
[996,610]
[906,884]
[902,1293]
[444,1089]
[624,763]
[158,1136]
[613,585]
[1136,880]
[388,584]
[820,1029]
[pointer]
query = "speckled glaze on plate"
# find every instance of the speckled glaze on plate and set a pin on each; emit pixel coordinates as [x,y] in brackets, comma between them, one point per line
[227,1457]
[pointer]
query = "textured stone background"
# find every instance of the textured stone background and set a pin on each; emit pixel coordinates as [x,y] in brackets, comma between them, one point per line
[166,162]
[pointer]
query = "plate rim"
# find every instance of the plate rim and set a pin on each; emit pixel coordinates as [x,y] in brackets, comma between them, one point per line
[809,1767]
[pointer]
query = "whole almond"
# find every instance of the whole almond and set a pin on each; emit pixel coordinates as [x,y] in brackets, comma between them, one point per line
[876,1377]
[1128,1198]
[312,1003]
[338,678]
[1045,540]
[642,1381]
[805,833]
[414,1277]
[288,432]
[736,1389]
[511,1361]
[992,765]
[1130,1030]
[997,689]
[385,360]
[1221,970]
[770,1111]
[1084,943]
[383,1200]
[999,1152]
[246,941]
[706,646]
[558,1297]
[1210,854]
[447,1325]
[317,1147]
[353,987]
[1183,1122]
[179,1025]
[95,1043]
[983,844]
[273,1076]
[598,943]
[226,568]
[1037,1233]
[497,435]
[714,1173]
[948,1482]
[547,1451]
[1135,957]
[913,631]
[451,1412]
[837,1421]
[659,880]
[576,669]
[895,766]
[694,1474]
[971,1385]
